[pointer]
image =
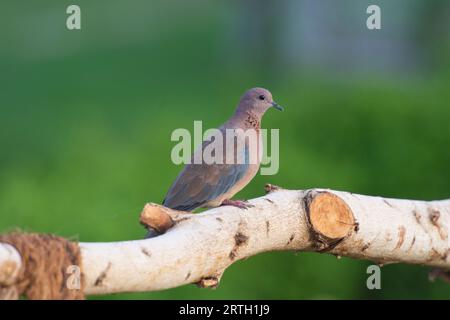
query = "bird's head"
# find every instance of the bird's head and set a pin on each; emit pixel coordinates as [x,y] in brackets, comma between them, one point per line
[257,101]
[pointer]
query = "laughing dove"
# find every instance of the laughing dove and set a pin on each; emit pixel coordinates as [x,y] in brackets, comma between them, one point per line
[206,185]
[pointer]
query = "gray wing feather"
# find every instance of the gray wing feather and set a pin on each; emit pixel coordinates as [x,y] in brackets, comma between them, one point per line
[198,184]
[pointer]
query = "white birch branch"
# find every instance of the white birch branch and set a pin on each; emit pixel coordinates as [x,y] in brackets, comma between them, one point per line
[199,247]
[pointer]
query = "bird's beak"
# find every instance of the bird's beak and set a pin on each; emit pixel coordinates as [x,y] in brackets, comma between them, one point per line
[277,106]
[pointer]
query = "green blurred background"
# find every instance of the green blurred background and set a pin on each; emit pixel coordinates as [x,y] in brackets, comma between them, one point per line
[86,118]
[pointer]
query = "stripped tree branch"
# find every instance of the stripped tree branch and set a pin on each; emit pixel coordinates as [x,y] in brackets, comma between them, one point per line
[197,248]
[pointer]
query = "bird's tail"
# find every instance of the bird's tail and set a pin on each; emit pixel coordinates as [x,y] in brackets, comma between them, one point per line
[151,233]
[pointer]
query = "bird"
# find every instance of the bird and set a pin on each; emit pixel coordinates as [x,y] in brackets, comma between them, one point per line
[208,185]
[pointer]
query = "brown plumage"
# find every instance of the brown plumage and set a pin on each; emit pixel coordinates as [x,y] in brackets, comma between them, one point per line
[212,185]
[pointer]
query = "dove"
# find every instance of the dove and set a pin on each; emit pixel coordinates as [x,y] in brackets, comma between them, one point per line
[207,185]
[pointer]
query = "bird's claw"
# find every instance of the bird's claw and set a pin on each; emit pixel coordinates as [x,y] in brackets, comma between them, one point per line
[247,204]
[241,204]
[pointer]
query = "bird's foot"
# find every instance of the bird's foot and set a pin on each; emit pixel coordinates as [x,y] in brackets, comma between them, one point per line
[242,204]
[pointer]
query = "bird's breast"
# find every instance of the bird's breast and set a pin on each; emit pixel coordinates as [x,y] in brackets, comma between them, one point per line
[252,152]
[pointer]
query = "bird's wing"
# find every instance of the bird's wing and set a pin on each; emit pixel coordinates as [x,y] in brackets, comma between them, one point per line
[198,184]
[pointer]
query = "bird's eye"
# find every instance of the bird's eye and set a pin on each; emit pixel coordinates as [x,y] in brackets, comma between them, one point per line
[262,97]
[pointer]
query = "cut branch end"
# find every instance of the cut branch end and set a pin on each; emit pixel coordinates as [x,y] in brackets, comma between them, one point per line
[156,217]
[330,218]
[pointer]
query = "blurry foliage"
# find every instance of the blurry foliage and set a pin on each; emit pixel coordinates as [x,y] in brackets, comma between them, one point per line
[86,118]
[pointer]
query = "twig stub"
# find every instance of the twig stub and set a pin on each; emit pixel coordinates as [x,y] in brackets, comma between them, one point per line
[157,217]
[271,188]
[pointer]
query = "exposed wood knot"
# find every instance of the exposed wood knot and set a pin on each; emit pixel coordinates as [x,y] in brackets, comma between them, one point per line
[330,219]
[434,216]
[417,217]
[146,252]
[291,238]
[436,255]
[401,237]
[388,203]
[240,239]
[412,243]
[102,276]
[209,282]
[365,247]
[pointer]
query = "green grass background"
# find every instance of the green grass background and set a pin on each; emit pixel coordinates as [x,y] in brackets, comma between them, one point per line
[86,118]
